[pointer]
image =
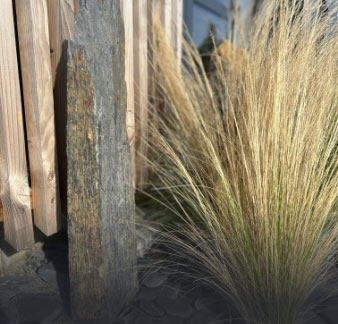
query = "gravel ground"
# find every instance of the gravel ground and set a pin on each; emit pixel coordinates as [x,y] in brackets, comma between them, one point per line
[35,290]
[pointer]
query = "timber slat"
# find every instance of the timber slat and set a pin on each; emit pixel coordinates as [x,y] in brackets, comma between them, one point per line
[129,30]
[61,28]
[1,212]
[13,165]
[32,22]
[141,87]
[177,27]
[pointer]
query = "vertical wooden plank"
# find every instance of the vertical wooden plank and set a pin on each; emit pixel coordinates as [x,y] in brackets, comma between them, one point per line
[127,14]
[177,27]
[153,8]
[61,28]
[13,165]
[167,17]
[101,208]
[164,8]
[171,13]
[1,212]
[32,21]
[141,87]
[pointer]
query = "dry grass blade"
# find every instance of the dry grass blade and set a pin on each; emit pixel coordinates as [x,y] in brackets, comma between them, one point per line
[249,158]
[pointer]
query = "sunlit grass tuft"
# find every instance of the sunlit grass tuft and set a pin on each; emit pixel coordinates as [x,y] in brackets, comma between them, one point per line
[248,157]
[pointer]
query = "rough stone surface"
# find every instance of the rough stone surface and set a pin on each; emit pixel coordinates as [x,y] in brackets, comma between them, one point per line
[142,320]
[154,279]
[101,207]
[331,310]
[151,308]
[203,317]
[55,271]
[25,298]
[169,292]
[170,319]
[180,307]
[147,294]
[48,273]
[32,307]
[315,319]
[88,321]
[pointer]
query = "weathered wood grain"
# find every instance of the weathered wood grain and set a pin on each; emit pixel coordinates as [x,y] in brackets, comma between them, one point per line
[141,87]
[13,165]
[32,22]
[127,13]
[177,16]
[61,28]
[101,229]
[1,212]
[170,13]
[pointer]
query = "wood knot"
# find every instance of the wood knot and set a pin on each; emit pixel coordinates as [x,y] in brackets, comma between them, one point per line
[50,176]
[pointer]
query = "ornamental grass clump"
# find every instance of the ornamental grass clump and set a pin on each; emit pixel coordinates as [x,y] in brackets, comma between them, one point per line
[246,158]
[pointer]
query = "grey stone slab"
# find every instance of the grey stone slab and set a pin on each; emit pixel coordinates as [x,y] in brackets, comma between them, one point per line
[56,272]
[32,307]
[12,283]
[143,320]
[48,273]
[200,303]
[148,294]
[221,307]
[101,202]
[180,307]
[170,319]
[169,292]
[204,317]
[316,319]
[4,319]
[151,308]
[5,296]
[154,279]
[121,321]
[331,309]
[89,321]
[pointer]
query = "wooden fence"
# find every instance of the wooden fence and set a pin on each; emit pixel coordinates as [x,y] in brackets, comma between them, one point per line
[33,85]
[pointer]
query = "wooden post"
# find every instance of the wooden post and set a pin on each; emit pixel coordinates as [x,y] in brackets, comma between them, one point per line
[141,87]
[32,21]
[13,165]
[177,27]
[102,239]
[1,212]
[127,13]
[61,28]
